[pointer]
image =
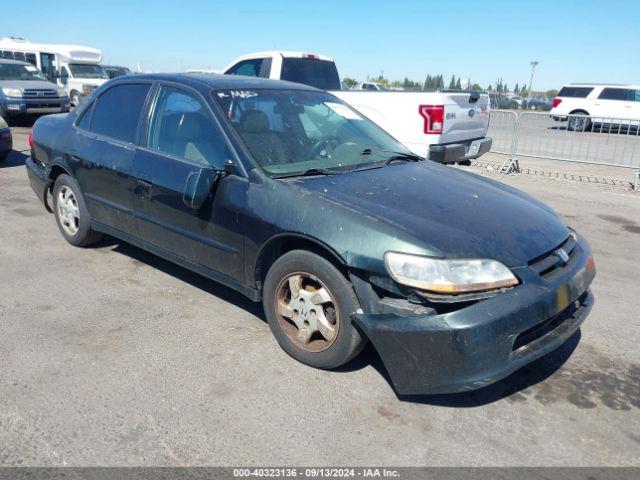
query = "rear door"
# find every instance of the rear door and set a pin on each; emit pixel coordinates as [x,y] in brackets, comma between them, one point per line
[103,151]
[613,102]
[180,138]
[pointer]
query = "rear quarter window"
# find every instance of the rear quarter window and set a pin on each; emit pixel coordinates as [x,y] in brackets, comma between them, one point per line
[575,92]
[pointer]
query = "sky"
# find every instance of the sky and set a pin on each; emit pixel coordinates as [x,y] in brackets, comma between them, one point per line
[574,41]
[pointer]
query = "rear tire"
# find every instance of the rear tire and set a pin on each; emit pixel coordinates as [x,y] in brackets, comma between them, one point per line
[301,289]
[3,156]
[579,122]
[71,213]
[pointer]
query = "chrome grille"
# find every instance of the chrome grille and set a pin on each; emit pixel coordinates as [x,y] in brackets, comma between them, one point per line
[39,93]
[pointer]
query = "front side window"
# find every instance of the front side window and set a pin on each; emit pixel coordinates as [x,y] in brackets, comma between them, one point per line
[614,94]
[81,70]
[292,131]
[248,68]
[31,58]
[19,71]
[180,126]
[117,111]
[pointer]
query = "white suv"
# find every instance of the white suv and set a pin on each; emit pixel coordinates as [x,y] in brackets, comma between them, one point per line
[605,104]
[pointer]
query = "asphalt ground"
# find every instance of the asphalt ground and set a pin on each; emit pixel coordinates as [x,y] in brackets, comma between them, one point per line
[111,356]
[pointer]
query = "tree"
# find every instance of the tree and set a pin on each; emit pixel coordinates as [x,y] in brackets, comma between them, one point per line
[475,86]
[452,82]
[349,82]
[516,89]
[458,84]
[552,93]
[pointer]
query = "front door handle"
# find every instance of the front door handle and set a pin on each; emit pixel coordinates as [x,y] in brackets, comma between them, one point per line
[144,183]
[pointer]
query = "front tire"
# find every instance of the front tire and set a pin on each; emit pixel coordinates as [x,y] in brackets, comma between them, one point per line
[71,213]
[308,304]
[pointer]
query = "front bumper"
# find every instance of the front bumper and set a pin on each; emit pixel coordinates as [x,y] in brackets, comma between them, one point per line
[6,141]
[457,152]
[485,342]
[35,106]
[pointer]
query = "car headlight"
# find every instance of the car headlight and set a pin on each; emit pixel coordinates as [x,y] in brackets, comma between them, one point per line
[62,92]
[12,92]
[448,276]
[87,89]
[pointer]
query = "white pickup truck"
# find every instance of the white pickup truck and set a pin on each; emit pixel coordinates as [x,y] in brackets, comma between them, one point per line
[447,127]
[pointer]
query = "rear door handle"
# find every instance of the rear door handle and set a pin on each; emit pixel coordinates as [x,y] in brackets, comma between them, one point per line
[144,183]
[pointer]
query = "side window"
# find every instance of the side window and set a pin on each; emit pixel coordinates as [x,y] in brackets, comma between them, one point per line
[634,95]
[181,126]
[31,58]
[117,111]
[85,119]
[19,56]
[249,68]
[614,94]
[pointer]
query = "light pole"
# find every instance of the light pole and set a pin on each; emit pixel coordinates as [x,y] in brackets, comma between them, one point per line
[534,63]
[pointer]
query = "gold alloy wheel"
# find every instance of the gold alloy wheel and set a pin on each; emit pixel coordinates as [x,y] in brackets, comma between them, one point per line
[306,312]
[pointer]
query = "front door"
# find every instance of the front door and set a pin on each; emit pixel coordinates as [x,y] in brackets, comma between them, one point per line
[181,139]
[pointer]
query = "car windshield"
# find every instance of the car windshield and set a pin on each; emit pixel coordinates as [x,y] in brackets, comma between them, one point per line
[81,70]
[19,71]
[293,132]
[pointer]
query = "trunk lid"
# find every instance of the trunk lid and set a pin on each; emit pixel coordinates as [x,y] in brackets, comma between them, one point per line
[466,116]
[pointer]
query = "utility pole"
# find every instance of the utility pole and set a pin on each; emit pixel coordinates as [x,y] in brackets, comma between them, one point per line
[534,63]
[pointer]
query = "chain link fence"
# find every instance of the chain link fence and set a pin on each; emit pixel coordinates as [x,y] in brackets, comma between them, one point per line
[570,138]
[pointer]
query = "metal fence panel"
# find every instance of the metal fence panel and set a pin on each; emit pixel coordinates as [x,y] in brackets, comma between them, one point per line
[502,126]
[579,138]
[571,138]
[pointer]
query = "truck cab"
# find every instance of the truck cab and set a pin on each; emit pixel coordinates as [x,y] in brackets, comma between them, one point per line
[445,126]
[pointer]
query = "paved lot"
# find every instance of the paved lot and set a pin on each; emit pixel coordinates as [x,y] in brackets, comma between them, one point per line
[110,356]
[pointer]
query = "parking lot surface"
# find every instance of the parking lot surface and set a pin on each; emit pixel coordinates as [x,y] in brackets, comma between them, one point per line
[111,356]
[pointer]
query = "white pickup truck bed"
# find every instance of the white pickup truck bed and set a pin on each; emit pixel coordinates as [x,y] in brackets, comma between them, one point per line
[444,126]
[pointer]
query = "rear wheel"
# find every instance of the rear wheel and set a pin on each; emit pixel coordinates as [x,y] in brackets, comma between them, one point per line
[579,122]
[71,213]
[308,304]
[3,156]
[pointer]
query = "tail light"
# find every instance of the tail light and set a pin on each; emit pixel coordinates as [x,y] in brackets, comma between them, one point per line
[433,118]
[31,139]
[556,102]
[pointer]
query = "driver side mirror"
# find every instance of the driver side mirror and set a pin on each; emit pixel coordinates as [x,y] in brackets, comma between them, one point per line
[199,185]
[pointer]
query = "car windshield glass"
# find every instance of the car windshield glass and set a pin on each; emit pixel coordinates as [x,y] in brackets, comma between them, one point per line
[80,70]
[291,132]
[18,71]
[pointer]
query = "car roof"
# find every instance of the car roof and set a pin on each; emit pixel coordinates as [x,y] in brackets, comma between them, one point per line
[218,81]
[13,62]
[622,85]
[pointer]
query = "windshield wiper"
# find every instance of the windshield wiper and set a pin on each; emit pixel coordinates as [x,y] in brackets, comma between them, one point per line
[410,157]
[308,173]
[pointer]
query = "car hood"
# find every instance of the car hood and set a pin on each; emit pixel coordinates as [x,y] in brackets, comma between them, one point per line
[459,214]
[22,84]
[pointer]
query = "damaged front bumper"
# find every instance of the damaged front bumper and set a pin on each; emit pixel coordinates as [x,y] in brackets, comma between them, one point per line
[488,340]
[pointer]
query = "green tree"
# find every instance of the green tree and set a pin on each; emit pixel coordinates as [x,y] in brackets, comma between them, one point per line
[516,89]
[452,82]
[475,86]
[349,82]
[552,93]
[458,84]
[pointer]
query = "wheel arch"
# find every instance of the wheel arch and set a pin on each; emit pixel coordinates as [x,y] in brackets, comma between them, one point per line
[578,111]
[285,242]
